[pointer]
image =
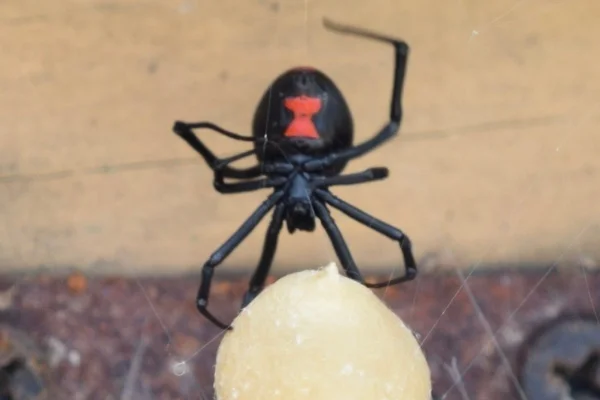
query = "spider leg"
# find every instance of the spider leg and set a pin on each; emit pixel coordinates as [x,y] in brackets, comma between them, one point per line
[249,186]
[257,282]
[369,175]
[381,227]
[184,131]
[339,244]
[391,128]
[218,129]
[222,252]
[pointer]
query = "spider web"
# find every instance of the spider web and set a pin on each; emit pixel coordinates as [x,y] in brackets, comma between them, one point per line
[182,368]
[494,337]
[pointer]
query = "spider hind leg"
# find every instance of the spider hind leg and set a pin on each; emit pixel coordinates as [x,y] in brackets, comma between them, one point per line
[224,250]
[339,244]
[257,283]
[385,229]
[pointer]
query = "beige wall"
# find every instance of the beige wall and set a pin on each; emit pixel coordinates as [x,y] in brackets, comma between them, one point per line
[497,161]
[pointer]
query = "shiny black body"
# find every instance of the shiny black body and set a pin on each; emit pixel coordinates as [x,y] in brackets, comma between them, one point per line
[302,136]
[333,122]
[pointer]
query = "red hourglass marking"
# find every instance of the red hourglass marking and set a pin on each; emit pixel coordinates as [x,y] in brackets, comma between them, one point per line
[304,108]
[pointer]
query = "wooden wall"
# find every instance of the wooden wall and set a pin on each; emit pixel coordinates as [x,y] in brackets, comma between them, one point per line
[497,161]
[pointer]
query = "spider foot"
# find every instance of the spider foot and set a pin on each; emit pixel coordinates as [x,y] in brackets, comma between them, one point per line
[201,305]
[249,297]
[179,125]
[411,273]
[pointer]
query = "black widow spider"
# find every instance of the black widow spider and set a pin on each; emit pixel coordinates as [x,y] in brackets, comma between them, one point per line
[302,134]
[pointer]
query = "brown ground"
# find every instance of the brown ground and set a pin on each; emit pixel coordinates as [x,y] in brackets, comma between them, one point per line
[114,340]
[497,161]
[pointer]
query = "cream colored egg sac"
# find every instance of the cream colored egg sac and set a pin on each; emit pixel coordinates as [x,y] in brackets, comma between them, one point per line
[318,335]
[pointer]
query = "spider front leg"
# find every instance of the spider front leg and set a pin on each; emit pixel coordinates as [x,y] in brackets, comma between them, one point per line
[222,252]
[381,227]
[221,168]
[369,175]
[184,130]
[277,175]
[391,128]
[250,186]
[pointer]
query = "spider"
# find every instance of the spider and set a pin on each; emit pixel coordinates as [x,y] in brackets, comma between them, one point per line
[303,138]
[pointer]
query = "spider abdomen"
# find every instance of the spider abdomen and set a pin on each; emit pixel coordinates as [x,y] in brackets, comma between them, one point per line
[303,112]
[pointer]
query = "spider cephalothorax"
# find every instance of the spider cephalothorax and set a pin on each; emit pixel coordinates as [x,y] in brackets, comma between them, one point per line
[302,136]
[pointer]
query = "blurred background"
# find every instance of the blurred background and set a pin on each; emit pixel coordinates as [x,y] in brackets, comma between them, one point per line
[496,166]
[497,159]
